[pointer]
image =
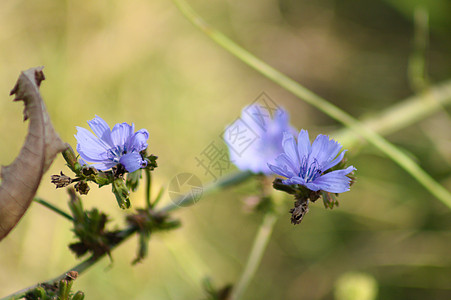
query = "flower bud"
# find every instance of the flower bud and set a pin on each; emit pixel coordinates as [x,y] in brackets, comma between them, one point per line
[61,180]
[71,159]
[82,187]
[121,192]
[78,296]
[133,180]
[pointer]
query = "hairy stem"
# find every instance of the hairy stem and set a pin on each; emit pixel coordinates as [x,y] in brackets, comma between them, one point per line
[320,103]
[258,249]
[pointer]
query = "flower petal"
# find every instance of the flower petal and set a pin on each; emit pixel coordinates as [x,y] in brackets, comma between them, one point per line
[285,163]
[103,166]
[334,162]
[90,147]
[138,141]
[294,180]
[101,130]
[319,151]
[121,133]
[333,182]
[282,171]
[304,147]
[289,146]
[132,161]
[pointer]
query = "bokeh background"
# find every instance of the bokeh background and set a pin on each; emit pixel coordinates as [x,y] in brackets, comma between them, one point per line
[141,61]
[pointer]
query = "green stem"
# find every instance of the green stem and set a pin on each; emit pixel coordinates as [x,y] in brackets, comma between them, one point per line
[258,248]
[54,208]
[326,107]
[126,233]
[80,268]
[402,114]
[148,187]
[223,182]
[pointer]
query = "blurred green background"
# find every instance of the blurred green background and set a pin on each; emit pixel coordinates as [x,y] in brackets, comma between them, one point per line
[143,62]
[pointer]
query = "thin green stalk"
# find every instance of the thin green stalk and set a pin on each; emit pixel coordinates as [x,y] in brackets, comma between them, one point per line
[401,114]
[326,107]
[79,268]
[54,208]
[223,182]
[226,181]
[255,256]
[148,188]
[417,73]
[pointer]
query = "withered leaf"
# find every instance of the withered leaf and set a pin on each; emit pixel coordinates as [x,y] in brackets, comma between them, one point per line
[21,179]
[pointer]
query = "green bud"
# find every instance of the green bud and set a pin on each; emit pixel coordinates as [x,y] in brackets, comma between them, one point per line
[76,207]
[78,296]
[40,293]
[71,159]
[151,162]
[122,193]
[133,180]
[64,289]
[103,179]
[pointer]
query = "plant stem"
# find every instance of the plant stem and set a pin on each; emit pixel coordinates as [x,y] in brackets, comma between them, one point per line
[258,248]
[226,181]
[53,208]
[80,268]
[402,114]
[321,104]
[148,187]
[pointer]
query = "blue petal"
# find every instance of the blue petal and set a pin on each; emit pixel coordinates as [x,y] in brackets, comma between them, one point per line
[284,162]
[101,129]
[103,166]
[280,170]
[333,182]
[334,162]
[89,146]
[304,147]
[121,133]
[294,180]
[319,151]
[132,161]
[138,142]
[255,116]
[289,146]
[333,148]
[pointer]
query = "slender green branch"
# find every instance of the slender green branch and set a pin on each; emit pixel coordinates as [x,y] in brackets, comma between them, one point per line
[255,256]
[129,231]
[223,182]
[158,197]
[148,187]
[80,268]
[54,208]
[326,107]
[417,73]
[402,114]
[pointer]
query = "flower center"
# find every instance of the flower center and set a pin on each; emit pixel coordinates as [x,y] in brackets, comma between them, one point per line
[114,154]
[309,171]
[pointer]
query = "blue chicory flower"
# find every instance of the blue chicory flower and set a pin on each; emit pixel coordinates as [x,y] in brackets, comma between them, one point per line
[305,164]
[262,134]
[111,147]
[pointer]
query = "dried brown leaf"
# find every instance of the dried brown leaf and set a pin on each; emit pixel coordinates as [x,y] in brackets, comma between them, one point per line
[21,179]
